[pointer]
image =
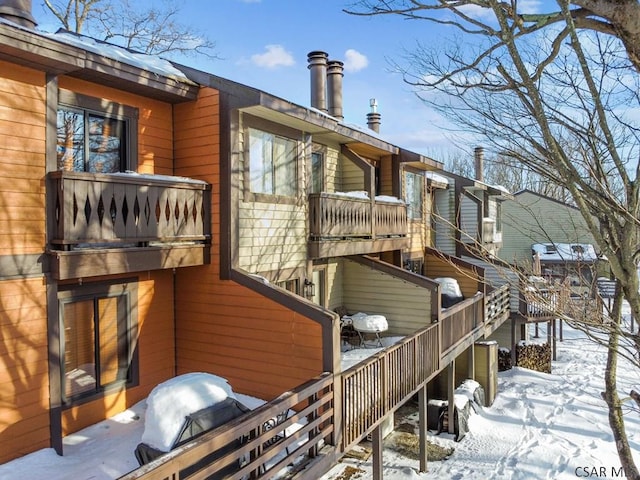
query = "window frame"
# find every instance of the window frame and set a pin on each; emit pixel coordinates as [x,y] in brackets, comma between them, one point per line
[318,152]
[410,207]
[72,101]
[125,290]
[250,122]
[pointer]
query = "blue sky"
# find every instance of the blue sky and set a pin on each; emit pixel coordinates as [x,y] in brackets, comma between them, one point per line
[264,44]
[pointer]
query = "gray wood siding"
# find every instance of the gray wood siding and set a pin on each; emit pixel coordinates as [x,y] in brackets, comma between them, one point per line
[530,218]
[498,276]
[469,220]
[407,307]
[444,218]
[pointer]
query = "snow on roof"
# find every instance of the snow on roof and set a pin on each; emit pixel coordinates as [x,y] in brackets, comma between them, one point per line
[152,63]
[170,402]
[436,177]
[567,252]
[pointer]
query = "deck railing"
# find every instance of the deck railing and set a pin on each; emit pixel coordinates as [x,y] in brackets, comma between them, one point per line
[538,304]
[458,321]
[497,304]
[259,457]
[88,208]
[341,216]
[373,388]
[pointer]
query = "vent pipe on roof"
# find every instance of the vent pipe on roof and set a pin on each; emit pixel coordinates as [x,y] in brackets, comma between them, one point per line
[18,11]
[335,72]
[318,68]
[373,117]
[478,154]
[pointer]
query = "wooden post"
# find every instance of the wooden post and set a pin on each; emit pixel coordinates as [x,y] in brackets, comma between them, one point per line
[451,377]
[553,339]
[376,447]
[561,332]
[513,341]
[423,428]
[537,334]
[471,363]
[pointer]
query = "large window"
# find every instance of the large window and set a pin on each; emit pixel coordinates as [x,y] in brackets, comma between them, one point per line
[273,166]
[96,341]
[94,136]
[413,194]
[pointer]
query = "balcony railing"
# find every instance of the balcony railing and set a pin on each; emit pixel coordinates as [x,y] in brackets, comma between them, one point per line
[497,305]
[259,458]
[373,388]
[334,216]
[114,209]
[537,304]
[458,321]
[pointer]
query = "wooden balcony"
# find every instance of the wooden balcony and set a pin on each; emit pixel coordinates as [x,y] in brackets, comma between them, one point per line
[342,225]
[541,304]
[103,224]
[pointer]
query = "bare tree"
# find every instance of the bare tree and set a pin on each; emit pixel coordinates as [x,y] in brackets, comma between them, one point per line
[154,30]
[555,93]
[506,173]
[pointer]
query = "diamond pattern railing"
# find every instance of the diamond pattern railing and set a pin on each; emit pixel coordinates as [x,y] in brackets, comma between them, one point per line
[126,208]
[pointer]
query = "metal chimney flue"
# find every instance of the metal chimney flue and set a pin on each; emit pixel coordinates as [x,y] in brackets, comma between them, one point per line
[18,11]
[478,155]
[373,117]
[335,72]
[318,68]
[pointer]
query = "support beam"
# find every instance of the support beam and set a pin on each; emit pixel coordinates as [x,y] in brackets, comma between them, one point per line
[471,362]
[554,337]
[423,428]
[561,332]
[514,342]
[376,447]
[451,385]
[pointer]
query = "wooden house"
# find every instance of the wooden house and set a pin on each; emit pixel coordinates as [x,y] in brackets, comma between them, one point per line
[161,220]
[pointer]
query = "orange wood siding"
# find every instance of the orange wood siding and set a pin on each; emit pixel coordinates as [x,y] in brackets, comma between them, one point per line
[22,160]
[467,279]
[155,136]
[155,349]
[261,347]
[24,378]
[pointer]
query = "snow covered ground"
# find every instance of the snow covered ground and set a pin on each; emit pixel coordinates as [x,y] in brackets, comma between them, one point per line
[541,426]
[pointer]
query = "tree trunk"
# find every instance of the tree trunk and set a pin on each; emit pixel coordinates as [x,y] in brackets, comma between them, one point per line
[616,420]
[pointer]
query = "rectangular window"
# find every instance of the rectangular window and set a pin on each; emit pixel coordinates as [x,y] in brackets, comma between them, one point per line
[317,173]
[272,164]
[413,194]
[94,135]
[96,342]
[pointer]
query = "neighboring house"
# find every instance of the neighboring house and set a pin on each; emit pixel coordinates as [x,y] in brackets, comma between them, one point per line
[534,218]
[159,220]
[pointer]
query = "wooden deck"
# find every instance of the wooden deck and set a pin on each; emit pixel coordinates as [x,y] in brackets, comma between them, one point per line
[370,391]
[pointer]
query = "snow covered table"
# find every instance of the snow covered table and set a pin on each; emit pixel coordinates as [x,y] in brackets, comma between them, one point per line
[365,324]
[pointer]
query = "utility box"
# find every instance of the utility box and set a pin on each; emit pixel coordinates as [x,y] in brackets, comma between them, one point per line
[486,369]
